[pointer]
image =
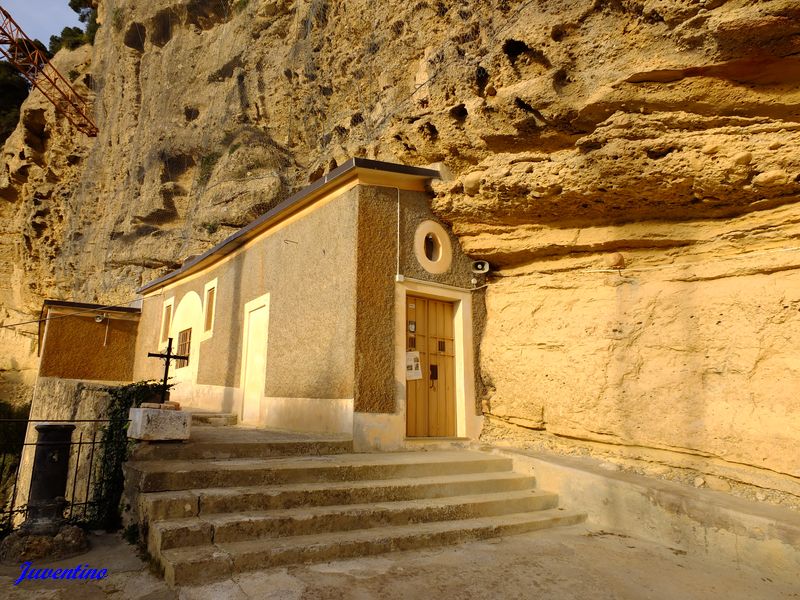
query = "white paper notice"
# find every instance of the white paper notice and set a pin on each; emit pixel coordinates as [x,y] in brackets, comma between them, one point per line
[413,366]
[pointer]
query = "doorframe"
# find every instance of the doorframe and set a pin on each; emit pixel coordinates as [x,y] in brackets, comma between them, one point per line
[468,423]
[255,304]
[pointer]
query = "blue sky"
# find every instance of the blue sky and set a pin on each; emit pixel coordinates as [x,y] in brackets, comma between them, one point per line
[42,18]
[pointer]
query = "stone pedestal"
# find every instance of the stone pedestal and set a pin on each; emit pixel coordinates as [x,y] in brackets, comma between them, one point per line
[153,424]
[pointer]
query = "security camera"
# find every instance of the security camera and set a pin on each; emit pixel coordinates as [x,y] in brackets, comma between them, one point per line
[480,266]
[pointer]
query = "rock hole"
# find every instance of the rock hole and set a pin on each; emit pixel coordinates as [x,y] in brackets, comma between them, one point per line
[36,135]
[207,14]
[226,70]
[175,165]
[332,165]
[161,27]
[481,79]
[191,113]
[656,153]
[429,131]
[134,37]
[514,48]
[560,78]
[521,104]
[459,113]
[558,32]
[316,174]
[356,119]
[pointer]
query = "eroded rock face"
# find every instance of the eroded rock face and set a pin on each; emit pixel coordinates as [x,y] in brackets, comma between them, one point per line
[663,130]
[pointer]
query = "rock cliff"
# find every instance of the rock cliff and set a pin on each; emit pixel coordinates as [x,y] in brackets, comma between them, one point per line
[630,168]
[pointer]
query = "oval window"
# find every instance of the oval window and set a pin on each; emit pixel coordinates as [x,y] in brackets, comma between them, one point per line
[432,247]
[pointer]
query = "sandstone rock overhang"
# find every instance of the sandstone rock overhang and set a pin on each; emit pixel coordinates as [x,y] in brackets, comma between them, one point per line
[362,170]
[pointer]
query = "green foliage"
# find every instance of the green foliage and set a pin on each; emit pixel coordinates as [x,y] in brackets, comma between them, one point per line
[84,9]
[91,28]
[131,534]
[13,91]
[211,227]
[207,164]
[114,446]
[118,18]
[71,38]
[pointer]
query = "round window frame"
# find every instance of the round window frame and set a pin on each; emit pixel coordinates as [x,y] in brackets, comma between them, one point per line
[445,260]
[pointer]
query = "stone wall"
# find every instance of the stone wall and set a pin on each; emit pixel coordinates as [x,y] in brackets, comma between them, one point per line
[69,400]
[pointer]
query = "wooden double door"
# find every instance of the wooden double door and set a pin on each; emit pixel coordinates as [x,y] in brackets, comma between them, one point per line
[431,400]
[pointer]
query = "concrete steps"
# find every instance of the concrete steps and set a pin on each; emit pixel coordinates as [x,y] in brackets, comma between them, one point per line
[223,442]
[203,502]
[214,507]
[202,564]
[221,528]
[214,419]
[169,475]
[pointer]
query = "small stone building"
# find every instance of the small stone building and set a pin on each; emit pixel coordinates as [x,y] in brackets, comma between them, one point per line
[346,309]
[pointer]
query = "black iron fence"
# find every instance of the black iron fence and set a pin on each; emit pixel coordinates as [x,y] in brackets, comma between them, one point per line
[94,450]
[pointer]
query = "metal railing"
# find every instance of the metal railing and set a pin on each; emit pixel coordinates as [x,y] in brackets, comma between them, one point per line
[85,469]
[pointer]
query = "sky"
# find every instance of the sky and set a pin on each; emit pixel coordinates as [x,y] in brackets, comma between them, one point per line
[42,18]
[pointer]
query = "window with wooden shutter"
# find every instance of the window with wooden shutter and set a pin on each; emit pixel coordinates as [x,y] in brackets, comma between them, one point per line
[211,296]
[166,322]
[184,347]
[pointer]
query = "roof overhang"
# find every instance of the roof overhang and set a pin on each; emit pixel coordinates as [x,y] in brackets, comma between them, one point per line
[360,170]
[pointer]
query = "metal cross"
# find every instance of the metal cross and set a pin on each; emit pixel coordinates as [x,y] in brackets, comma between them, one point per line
[168,357]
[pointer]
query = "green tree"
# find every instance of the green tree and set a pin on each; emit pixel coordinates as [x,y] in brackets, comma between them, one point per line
[71,38]
[84,9]
[13,91]
[87,13]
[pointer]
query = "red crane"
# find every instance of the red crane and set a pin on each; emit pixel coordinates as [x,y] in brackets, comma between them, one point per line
[21,52]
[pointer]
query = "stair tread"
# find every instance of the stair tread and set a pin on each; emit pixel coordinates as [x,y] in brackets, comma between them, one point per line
[333,460]
[318,511]
[229,550]
[278,488]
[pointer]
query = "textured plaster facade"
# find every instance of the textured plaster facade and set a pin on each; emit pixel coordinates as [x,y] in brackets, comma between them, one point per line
[331,273]
[77,346]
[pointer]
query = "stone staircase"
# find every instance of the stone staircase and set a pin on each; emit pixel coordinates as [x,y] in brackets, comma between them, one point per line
[233,500]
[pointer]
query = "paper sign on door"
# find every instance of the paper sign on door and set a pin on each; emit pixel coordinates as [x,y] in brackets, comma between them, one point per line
[413,366]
